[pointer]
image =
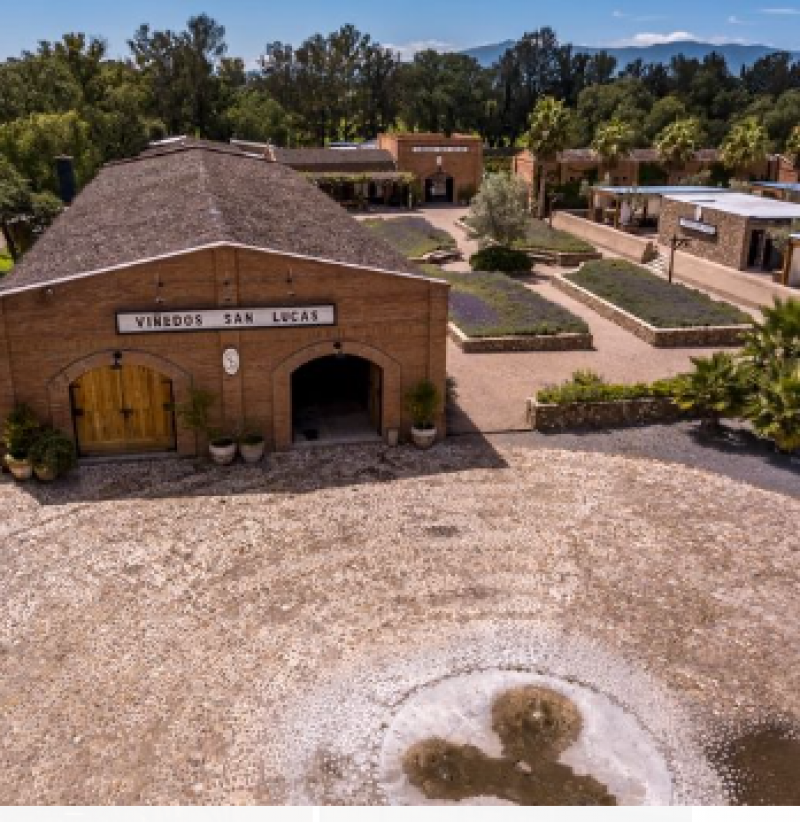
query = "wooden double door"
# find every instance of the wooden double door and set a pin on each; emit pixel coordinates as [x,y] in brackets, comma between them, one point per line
[124,410]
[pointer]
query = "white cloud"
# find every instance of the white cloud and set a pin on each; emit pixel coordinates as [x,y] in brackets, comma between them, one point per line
[408,50]
[782,12]
[737,21]
[638,18]
[644,39]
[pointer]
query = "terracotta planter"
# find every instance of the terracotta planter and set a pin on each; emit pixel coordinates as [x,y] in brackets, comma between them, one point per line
[222,452]
[21,470]
[252,453]
[45,473]
[423,438]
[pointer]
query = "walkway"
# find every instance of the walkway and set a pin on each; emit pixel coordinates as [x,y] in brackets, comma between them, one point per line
[493,388]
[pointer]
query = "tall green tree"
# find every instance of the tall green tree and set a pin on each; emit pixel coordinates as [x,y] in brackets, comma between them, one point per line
[747,143]
[793,146]
[550,125]
[678,143]
[613,142]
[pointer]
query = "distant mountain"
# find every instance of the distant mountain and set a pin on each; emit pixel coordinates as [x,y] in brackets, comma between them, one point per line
[736,55]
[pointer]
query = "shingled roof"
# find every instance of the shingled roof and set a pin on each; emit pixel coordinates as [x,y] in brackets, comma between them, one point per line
[175,199]
[334,159]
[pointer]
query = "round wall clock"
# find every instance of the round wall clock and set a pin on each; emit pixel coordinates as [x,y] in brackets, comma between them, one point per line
[230,361]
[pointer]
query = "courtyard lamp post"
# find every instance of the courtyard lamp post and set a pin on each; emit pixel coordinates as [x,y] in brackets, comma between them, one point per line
[675,244]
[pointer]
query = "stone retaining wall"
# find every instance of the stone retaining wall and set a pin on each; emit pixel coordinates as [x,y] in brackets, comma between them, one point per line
[598,415]
[493,345]
[628,245]
[719,336]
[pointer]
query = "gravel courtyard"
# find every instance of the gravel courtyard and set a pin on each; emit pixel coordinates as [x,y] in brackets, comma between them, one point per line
[175,633]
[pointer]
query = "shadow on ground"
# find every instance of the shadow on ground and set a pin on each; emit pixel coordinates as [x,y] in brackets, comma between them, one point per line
[300,471]
[735,452]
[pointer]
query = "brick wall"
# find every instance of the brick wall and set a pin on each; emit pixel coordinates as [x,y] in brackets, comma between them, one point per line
[466,168]
[403,319]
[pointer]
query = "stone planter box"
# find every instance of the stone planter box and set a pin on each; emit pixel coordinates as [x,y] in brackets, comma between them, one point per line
[563,259]
[487,345]
[599,415]
[714,336]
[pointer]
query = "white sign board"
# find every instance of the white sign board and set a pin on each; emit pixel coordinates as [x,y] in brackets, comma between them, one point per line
[225,319]
[696,225]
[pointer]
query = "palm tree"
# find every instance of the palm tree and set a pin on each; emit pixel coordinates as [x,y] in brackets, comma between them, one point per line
[746,144]
[774,410]
[715,389]
[548,135]
[793,146]
[678,143]
[613,141]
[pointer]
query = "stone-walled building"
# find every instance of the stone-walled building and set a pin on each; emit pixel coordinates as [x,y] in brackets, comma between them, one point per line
[201,266]
[728,228]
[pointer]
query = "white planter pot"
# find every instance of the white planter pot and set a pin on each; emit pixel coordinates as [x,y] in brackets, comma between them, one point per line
[252,454]
[423,438]
[222,454]
[21,470]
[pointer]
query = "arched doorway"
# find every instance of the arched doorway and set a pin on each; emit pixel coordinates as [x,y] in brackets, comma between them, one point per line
[123,408]
[439,188]
[337,398]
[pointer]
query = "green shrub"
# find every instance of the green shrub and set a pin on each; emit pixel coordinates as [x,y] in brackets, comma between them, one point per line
[715,389]
[502,259]
[424,403]
[20,431]
[587,387]
[774,410]
[55,451]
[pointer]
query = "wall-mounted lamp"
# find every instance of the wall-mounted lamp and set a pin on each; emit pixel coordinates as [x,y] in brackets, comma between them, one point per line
[339,349]
[117,364]
[290,282]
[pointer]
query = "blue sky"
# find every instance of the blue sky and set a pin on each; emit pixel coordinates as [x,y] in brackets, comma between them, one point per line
[409,24]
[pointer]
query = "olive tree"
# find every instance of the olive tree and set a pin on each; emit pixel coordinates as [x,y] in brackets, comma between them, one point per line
[500,210]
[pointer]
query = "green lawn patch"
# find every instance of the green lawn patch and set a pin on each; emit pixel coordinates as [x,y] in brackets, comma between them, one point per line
[540,237]
[6,263]
[492,305]
[413,237]
[652,299]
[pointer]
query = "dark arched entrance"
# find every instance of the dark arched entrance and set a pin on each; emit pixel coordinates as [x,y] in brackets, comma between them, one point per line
[439,188]
[337,398]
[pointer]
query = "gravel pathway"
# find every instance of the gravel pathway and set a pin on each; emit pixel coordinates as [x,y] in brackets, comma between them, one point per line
[182,635]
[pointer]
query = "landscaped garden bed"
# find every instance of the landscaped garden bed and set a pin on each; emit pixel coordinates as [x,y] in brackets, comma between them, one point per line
[413,237]
[588,402]
[490,312]
[662,314]
[559,247]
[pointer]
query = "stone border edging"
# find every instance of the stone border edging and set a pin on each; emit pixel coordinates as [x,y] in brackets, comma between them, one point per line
[548,417]
[691,337]
[492,345]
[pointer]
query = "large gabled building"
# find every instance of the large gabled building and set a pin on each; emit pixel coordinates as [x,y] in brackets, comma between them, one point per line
[201,265]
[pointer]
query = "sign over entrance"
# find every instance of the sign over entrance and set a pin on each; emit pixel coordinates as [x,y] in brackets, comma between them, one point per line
[697,225]
[225,319]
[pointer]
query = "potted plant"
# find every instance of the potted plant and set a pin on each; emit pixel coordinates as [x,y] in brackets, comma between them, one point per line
[252,446]
[222,448]
[52,455]
[195,414]
[19,433]
[424,403]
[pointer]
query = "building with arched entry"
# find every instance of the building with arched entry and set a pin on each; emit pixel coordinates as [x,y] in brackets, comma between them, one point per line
[202,266]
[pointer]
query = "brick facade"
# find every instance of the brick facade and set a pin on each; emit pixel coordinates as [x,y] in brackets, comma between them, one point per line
[461,158]
[50,336]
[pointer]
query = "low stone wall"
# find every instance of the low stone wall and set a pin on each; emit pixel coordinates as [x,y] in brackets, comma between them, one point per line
[563,259]
[598,415]
[715,336]
[494,345]
[628,245]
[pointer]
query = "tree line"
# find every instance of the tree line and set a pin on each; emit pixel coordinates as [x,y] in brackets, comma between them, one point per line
[70,97]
